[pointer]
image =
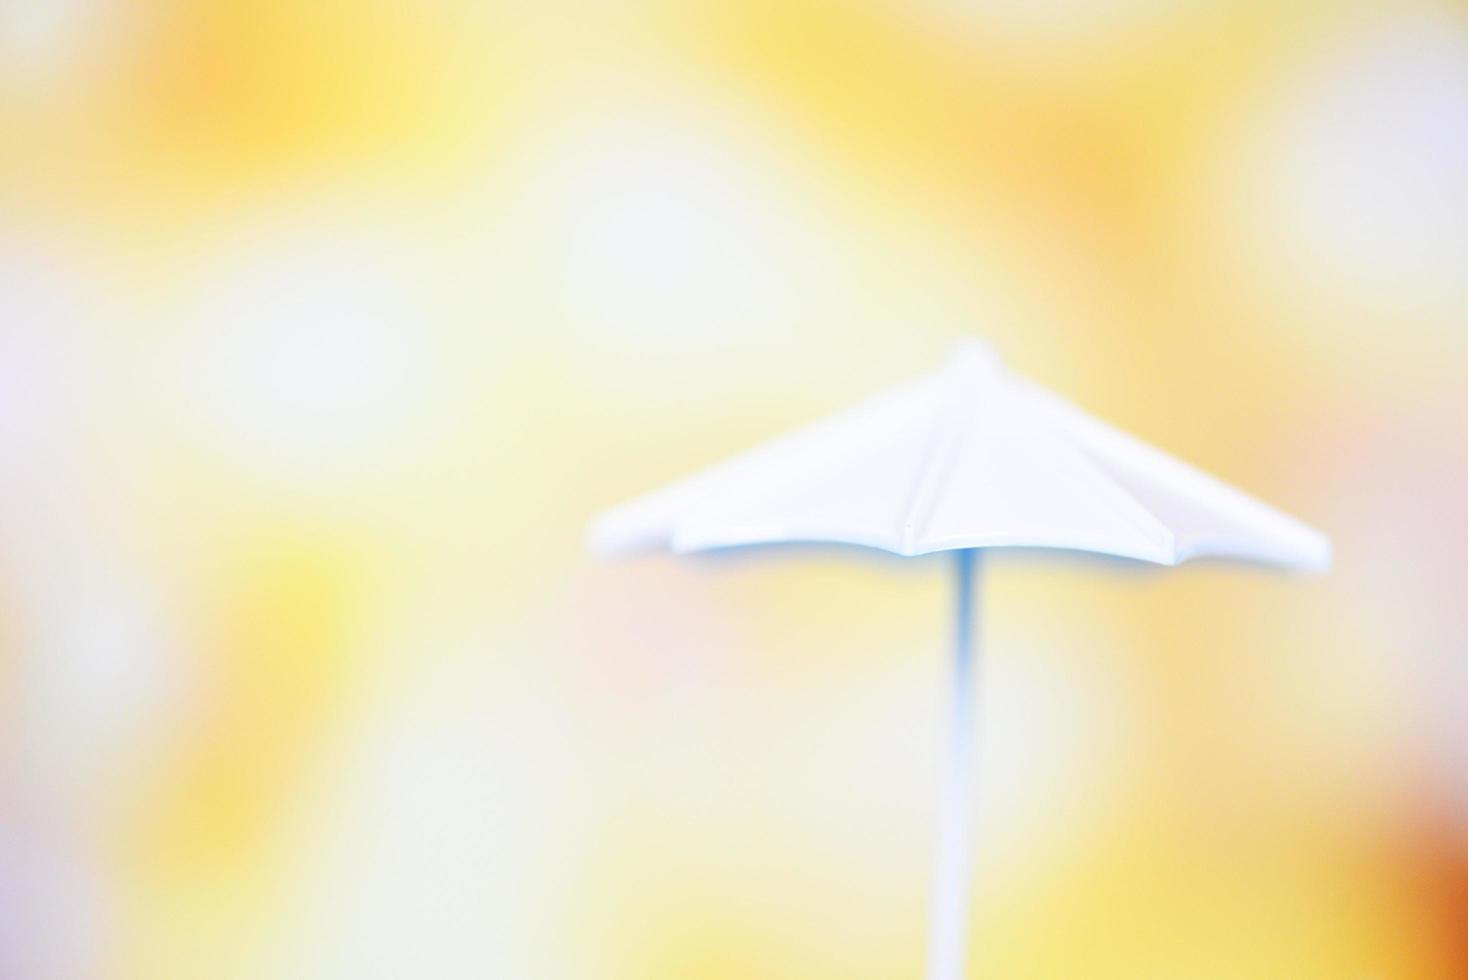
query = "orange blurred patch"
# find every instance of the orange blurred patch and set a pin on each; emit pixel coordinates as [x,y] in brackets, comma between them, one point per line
[242,87]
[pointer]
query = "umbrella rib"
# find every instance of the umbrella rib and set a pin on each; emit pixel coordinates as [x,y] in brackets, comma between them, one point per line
[1244,512]
[932,474]
[1138,515]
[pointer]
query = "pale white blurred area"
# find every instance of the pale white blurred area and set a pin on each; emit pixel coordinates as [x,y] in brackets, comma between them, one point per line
[1401,479]
[82,670]
[41,39]
[54,918]
[682,239]
[307,351]
[1355,212]
[1362,175]
[434,839]
[667,236]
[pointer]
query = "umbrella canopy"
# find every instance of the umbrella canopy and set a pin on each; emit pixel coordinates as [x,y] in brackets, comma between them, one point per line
[968,456]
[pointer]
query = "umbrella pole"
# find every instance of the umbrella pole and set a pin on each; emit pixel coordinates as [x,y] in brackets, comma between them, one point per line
[953,859]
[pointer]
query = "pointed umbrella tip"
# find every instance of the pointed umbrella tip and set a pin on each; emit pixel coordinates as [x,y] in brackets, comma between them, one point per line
[1318,554]
[973,356]
[623,533]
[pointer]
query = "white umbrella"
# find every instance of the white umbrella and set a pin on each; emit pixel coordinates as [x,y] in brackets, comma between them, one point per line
[967,457]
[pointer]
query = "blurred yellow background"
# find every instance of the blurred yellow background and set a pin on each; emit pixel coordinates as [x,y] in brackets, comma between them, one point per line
[326,326]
